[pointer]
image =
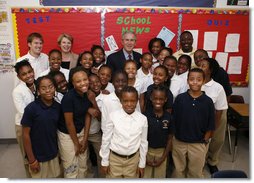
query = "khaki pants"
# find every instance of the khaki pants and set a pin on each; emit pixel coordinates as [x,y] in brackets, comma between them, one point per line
[95,140]
[217,141]
[48,169]
[155,172]
[19,137]
[189,159]
[74,166]
[123,168]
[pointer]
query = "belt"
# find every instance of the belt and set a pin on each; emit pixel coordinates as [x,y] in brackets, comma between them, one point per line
[124,156]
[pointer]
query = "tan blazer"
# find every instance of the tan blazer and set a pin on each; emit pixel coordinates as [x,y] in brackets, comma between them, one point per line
[74,60]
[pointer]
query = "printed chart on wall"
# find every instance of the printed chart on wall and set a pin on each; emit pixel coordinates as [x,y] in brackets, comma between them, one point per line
[226,38]
[6,45]
[145,25]
[80,25]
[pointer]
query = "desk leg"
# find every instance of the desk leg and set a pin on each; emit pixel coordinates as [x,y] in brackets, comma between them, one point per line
[235,148]
[229,139]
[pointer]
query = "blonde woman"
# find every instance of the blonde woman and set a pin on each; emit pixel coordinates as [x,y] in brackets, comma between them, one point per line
[69,59]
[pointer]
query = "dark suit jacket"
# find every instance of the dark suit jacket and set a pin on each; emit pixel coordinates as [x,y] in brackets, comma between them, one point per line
[116,60]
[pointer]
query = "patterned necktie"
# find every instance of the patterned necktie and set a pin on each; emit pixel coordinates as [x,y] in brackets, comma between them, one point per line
[129,57]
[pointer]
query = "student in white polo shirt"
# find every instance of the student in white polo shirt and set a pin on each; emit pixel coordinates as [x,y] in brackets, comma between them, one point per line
[177,84]
[124,141]
[37,59]
[216,92]
[23,94]
[111,102]
[55,60]
[183,67]
[144,72]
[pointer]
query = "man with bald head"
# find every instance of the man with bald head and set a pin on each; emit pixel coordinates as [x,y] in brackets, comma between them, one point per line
[186,41]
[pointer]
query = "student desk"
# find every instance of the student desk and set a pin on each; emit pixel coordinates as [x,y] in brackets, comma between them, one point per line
[239,119]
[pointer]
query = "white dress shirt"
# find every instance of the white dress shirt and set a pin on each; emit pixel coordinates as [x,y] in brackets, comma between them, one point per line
[95,124]
[39,64]
[110,87]
[126,55]
[139,85]
[184,77]
[146,78]
[109,104]
[63,70]
[125,134]
[22,96]
[216,92]
[177,85]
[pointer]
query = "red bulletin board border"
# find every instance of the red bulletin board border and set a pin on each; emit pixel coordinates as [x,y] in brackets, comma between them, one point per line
[167,10]
[95,35]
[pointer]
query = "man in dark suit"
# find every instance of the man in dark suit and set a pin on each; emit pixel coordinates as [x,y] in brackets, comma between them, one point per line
[116,60]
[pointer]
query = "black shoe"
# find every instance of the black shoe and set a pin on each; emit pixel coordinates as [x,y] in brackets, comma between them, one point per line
[212,169]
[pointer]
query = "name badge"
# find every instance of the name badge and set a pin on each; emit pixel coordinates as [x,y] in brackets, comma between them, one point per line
[165,124]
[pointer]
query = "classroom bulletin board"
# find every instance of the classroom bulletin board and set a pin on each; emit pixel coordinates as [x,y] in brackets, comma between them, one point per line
[84,27]
[91,26]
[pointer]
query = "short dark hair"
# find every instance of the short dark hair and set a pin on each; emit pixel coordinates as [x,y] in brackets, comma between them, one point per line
[53,74]
[33,35]
[38,81]
[186,32]
[213,66]
[168,82]
[202,50]
[105,66]
[153,40]
[54,51]
[94,47]
[72,72]
[129,89]
[119,72]
[162,67]
[188,58]
[93,75]
[81,55]
[197,70]
[146,53]
[170,57]
[161,88]
[130,61]
[21,64]
[168,50]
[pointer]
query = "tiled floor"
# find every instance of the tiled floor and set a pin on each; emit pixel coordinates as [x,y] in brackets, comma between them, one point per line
[11,163]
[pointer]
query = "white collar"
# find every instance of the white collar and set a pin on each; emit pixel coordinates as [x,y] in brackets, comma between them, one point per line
[31,56]
[210,83]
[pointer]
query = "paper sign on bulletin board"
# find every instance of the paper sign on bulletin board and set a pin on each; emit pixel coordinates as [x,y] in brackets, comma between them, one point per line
[84,27]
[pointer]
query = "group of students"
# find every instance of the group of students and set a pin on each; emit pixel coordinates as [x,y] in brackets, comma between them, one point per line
[134,117]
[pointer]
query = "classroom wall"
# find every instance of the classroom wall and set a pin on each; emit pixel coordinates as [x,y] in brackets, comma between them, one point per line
[7,109]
